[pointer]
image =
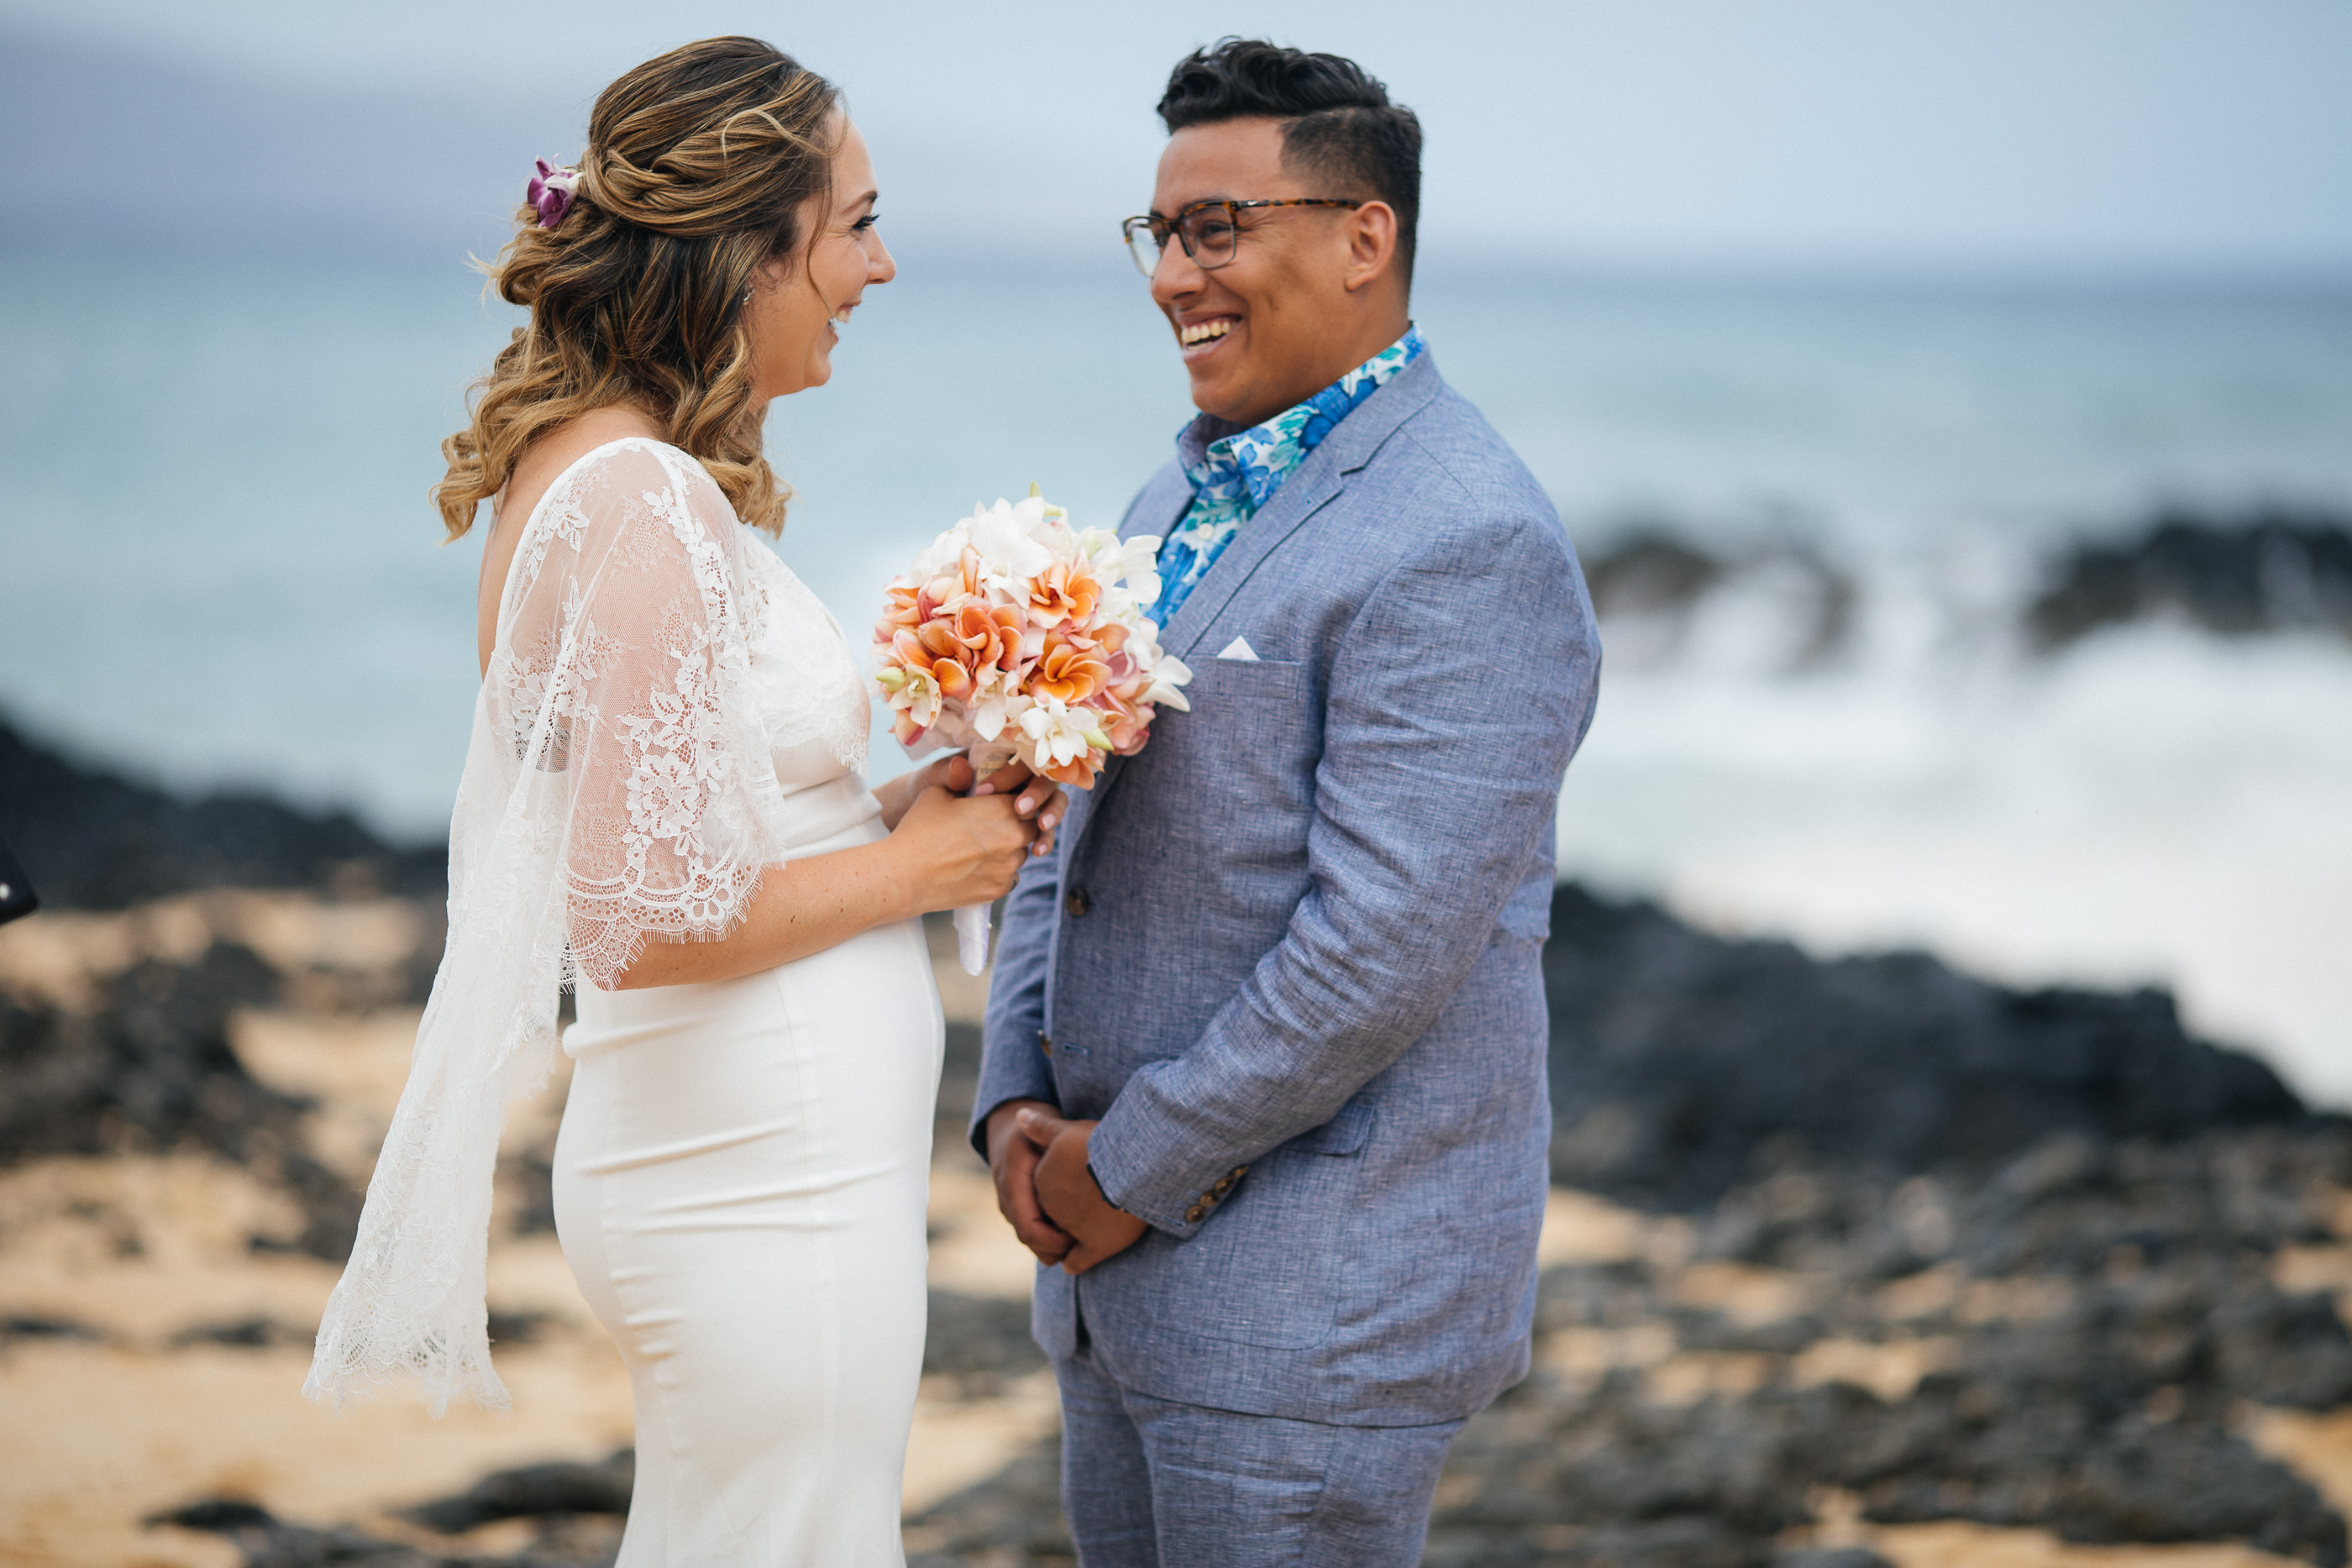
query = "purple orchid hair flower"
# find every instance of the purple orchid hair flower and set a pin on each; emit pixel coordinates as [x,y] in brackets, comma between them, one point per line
[550,191]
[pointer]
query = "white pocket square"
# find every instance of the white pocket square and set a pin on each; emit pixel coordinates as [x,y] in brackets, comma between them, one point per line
[1239,648]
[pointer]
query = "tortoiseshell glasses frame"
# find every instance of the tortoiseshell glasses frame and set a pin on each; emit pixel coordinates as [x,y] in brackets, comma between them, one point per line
[1209,232]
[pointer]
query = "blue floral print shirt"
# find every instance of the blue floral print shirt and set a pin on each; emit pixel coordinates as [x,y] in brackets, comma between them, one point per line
[1237,474]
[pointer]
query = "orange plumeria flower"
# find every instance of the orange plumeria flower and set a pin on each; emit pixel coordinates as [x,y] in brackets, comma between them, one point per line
[1070,670]
[1064,591]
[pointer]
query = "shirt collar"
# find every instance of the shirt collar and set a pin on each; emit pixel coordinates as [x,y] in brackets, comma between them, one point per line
[1227,462]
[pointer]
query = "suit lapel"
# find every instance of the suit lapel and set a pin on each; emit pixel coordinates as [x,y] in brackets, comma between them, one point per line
[1308,491]
[1303,494]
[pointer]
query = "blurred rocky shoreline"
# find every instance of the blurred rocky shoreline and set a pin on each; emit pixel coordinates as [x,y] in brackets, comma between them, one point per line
[2228,574]
[1854,1261]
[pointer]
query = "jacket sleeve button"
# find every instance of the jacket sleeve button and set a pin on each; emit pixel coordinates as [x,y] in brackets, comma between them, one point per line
[1222,1187]
[1192,1215]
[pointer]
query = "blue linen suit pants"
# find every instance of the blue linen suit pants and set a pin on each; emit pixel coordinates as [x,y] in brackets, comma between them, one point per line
[1151,1483]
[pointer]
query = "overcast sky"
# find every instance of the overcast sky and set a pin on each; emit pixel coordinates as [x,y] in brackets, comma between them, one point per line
[2071,136]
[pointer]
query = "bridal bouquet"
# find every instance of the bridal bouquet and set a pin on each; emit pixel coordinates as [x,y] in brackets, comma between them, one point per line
[1017,636]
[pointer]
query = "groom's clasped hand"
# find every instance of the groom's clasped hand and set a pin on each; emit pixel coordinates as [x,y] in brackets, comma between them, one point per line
[1047,1191]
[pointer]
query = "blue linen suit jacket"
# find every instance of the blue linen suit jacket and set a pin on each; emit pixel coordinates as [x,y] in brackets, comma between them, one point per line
[1288,954]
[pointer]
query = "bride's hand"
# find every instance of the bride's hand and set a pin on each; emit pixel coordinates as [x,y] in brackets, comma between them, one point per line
[897,794]
[957,850]
[967,849]
[1033,799]
[1038,799]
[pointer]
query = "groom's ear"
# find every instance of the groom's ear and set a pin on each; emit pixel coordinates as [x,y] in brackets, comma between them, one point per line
[1371,234]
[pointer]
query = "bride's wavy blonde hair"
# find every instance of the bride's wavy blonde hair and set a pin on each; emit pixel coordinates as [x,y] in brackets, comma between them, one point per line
[697,166]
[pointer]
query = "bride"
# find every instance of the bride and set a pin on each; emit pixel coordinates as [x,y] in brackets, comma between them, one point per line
[664,805]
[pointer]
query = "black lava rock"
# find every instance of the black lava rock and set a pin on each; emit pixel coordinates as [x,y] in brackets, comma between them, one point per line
[151,1069]
[29,1326]
[2093,1392]
[561,1540]
[534,1489]
[980,1340]
[1678,1057]
[245,1334]
[1014,1517]
[93,840]
[1650,571]
[267,1541]
[2271,571]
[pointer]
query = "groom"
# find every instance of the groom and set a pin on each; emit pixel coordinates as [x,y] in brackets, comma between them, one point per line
[1264,1061]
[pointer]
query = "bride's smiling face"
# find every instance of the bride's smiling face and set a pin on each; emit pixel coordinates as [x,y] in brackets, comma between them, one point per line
[799,303]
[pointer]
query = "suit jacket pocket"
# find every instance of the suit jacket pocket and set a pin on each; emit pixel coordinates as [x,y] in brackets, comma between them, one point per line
[1245,680]
[1272,1270]
[1345,1133]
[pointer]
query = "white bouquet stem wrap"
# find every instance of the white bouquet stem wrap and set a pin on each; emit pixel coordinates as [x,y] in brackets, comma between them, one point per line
[972,920]
[971,938]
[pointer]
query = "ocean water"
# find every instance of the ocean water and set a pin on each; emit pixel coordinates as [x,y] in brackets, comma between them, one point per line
[217,565]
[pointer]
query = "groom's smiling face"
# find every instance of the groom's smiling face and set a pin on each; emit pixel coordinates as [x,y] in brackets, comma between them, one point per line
[1309,294]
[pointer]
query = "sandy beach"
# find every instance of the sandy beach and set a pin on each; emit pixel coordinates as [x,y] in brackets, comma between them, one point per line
[154,1355]
[157,1309]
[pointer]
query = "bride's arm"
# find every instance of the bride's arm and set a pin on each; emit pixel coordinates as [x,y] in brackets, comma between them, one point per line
[945,851]
[645,791]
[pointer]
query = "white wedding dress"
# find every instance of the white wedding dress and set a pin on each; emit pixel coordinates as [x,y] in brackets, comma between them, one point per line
[742,1176]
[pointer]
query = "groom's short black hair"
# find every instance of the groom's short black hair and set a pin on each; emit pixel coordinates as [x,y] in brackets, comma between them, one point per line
[1336,120]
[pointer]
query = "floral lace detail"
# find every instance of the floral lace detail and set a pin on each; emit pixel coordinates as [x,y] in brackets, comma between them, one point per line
[622,786]
[826,699]
[545,686]
[561,520]
[673,880]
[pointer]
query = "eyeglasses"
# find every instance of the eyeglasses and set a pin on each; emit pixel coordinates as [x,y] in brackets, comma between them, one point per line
[1208,231]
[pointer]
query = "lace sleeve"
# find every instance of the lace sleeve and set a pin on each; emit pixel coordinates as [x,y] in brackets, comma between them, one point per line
[621,677]
[618,788]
